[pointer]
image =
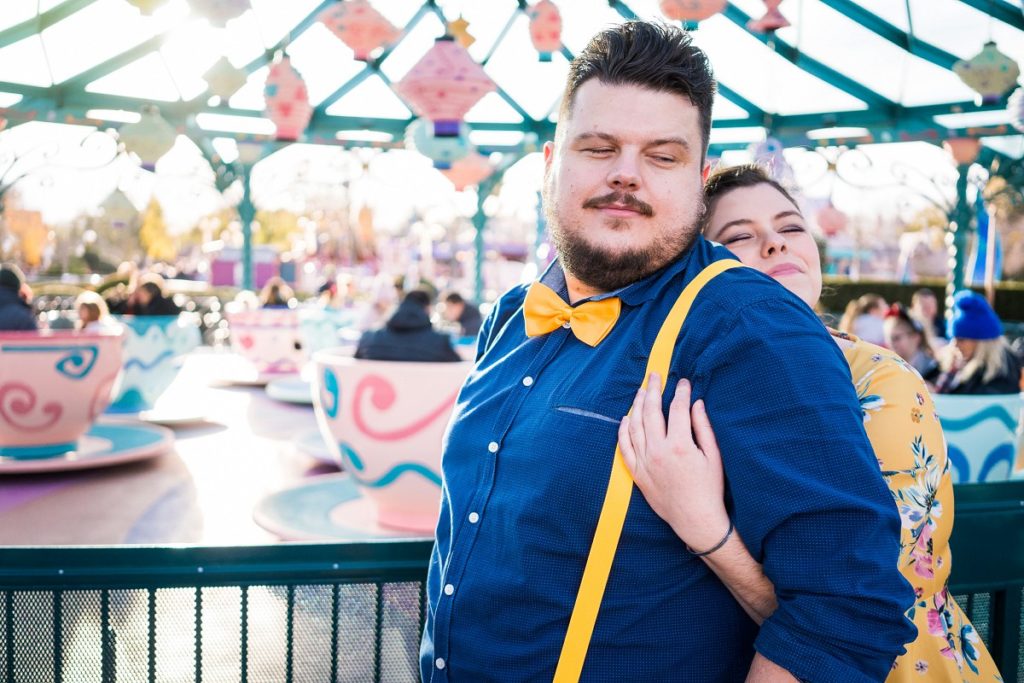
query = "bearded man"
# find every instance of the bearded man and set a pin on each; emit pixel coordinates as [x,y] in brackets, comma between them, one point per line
[528,452]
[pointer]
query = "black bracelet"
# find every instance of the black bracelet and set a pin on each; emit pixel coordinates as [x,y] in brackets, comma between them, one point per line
[717,546]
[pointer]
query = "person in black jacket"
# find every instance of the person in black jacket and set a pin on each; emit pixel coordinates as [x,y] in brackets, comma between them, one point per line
[149,298]
[458,310]
[408,335]
[15,311]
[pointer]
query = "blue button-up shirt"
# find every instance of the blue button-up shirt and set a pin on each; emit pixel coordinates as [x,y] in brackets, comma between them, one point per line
[526,462]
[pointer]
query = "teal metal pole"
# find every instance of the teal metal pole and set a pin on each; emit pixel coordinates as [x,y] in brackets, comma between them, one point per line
[246,213]
[479,223]
[960,229]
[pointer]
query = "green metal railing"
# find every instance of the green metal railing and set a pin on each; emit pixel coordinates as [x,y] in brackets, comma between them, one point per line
[282,613]
[349,612]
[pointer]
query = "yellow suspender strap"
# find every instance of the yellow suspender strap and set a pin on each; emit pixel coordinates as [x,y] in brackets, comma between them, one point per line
[616,499]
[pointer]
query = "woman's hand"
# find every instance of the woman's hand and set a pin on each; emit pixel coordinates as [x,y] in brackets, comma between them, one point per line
[681,479]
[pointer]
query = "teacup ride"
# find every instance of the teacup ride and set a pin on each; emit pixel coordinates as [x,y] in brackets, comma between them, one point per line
[319,328]
[53,387]
[268,340]
[384,422]
[983,436]
[154,352]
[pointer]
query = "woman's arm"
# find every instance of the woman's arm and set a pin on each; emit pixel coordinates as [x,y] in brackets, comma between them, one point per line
[683,482]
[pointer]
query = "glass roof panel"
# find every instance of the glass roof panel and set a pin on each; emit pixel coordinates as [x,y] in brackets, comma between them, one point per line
[492,108]
[372,97]
[962,30]
[1010,145]
[250,95]
[242,42]
[276,18]
[581,20]
[894,13]
[325,62]
[145,78]
[398,12]
[975,118]
[189,52]
[412,47]
[763,77]
[16,11]
[724,109]
[486,20]
[533,84]
[25,62]
[45,5]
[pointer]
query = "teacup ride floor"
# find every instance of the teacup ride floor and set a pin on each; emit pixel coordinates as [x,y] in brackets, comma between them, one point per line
[203,490]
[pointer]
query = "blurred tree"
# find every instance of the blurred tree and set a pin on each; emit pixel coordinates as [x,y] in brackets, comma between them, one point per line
[153,234]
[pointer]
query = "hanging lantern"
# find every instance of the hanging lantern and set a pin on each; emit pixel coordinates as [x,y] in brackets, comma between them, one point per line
[831,220]
[771,21]
[357,24]
[287,100]
[472,169]
[1014,107]
[147,7]
[769,154]
[963,150]
[545,28]
[989,73]
[224,79]
[444,85]
[691,10]
[220,12]
[443,150]
[149,138]
[459,29]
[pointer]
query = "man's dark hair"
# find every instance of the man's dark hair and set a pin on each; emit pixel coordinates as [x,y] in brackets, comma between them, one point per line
[418,296]
[153,288]
[454,298]
[651,55]
[724,180]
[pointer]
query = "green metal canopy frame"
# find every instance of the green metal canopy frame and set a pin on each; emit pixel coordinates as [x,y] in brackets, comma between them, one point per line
[883,119]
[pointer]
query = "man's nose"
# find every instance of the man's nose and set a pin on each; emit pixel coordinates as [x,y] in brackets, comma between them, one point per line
[624,175]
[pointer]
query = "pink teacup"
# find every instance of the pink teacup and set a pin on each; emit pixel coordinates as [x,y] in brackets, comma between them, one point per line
[268,338]
[53,385]
[384,422]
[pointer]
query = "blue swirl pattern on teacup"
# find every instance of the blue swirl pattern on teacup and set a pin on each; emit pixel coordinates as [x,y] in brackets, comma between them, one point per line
[153,351]
[982,435]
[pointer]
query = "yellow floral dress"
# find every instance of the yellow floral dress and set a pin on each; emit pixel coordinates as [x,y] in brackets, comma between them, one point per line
[903,427]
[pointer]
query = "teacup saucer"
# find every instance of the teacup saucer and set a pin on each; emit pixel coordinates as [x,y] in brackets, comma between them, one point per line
[105,444]
[291,389]
[169,417]
[312,443]
[330,507]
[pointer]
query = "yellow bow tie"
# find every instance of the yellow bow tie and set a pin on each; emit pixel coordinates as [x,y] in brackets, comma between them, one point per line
[590,322]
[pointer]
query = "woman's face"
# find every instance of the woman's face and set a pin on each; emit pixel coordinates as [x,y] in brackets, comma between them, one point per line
[966,347]
[767,232]
[902,338]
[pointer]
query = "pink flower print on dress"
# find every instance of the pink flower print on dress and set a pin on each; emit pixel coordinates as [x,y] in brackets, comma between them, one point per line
[922,554]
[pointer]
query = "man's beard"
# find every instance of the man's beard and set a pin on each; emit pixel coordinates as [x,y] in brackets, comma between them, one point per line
[605,270]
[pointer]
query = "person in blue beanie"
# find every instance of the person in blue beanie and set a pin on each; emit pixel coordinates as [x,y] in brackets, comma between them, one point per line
[978,360]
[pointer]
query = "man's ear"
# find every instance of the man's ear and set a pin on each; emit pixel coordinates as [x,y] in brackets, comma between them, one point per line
[705,172]
[549,154]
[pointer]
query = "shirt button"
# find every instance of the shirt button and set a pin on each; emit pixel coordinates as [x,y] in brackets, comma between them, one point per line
[527,381]
[493,447]
[449,589]
[566,325]
[473,518]
[439,663]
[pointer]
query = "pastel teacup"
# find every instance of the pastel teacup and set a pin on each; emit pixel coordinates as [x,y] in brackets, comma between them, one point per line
[53,385]
[384,422]
[154,350]
[268,338]
[982,435]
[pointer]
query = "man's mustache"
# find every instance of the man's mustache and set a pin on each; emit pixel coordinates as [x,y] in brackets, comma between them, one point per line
[622,199]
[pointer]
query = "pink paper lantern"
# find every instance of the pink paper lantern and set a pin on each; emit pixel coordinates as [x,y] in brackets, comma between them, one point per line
[220,12]
[357,24]
[444,85]
[963,150]
[469,170]
[287,100]
[545,28]
[771,21]
[224,79]
[989,73]
[831,220]
[149,138]
[691,10]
